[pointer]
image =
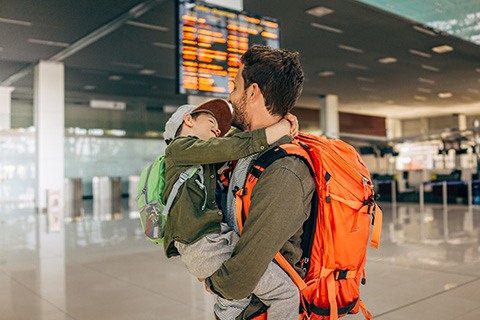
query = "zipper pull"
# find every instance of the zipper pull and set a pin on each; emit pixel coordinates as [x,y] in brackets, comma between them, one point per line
[327,190]
[365,190]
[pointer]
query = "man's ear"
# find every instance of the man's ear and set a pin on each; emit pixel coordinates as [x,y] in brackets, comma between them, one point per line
[188,120]
[254,92]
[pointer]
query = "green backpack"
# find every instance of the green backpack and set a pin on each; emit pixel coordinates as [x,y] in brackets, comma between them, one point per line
[153,212]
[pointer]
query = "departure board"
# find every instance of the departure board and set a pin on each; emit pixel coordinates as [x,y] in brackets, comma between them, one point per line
[211,40]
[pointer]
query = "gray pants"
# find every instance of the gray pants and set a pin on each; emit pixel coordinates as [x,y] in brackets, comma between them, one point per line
[275,288]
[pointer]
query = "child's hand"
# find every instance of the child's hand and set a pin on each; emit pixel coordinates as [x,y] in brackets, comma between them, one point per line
[293,124]
[286,126]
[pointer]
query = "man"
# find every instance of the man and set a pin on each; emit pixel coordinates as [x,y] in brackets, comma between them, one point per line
[266,88]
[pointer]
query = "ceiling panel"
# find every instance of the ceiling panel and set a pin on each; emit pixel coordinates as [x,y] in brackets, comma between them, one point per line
[138,61]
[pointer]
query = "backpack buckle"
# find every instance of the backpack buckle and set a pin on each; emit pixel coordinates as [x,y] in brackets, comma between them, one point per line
[183,177]
[340,274]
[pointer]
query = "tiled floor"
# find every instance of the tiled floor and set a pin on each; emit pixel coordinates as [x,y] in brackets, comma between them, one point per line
[99,266]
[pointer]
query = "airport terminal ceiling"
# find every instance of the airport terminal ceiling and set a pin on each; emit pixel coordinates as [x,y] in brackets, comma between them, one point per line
[377,62]
[460,18]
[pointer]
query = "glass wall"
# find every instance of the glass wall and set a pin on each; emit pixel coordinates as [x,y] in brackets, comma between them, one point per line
[17,165]
[86,156]
[90,156]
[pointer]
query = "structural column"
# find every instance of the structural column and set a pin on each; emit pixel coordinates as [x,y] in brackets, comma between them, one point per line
[394,128]
[49,120]
[5,107]
[329,119]
[460,121]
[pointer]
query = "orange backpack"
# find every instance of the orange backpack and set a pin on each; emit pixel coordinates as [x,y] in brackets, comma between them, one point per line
[336,234]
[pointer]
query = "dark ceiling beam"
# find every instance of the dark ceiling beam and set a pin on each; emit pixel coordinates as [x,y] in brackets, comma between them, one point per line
[87,40]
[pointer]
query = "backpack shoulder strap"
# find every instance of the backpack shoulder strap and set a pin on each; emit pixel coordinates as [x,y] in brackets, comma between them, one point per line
[296,148]
[225,173]
[259,165]
[243,195]
[184,176]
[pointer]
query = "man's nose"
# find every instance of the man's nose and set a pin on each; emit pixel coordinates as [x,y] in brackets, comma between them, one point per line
[217,132]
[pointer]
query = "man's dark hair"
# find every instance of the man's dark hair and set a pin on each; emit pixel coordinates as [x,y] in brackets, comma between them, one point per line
[278,73]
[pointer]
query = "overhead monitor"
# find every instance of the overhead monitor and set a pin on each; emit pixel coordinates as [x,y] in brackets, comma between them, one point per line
[210,42]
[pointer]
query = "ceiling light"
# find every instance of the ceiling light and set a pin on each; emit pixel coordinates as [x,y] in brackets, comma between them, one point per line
[421,98]
[348,48]
[444,95]
[467,98]
[356,66]
[95,132]
[147,26]
[128,65]
[319,11]
[137,83]
[152,134]
[49,43]
[117,132]
[424,30]
[89,87]
[95,72]
[367,89]
[473,90]
[108,104]
[147,72]
[424,80]
[389,102]
[387,60]
[326,74]
[430,68]
[442,49]
[326,28]
[424,90]
[420,53]
[115,77]
[477,69]
[365,79]
[164,45]
[17,22]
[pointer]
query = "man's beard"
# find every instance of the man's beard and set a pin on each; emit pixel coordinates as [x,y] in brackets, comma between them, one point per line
[239,119]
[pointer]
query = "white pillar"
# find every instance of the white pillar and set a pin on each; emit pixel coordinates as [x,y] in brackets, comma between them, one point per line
[49,120]
[461,120]
[394,128]
[5,107]
[329,116]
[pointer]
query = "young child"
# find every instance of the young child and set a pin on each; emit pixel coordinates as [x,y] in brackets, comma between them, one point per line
[194,228]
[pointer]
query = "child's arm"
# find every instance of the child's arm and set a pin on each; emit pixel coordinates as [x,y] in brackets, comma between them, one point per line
[192,151]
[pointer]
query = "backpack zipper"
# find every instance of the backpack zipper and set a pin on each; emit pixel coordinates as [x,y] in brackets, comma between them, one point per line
[145,188]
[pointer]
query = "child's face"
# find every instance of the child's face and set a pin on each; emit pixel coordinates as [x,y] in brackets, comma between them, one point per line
[205,126]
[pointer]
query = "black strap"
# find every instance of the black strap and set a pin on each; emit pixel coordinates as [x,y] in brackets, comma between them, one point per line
[308,235]
[326,312]
[340,274]
[266,159]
